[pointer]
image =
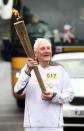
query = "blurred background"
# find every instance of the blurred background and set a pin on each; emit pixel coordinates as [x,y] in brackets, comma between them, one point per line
[55,13]
[60,21]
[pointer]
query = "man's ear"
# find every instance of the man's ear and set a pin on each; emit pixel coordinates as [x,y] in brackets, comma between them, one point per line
[35,54]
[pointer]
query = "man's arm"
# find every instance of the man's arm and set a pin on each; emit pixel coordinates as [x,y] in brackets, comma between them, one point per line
[67,93]
[25,76]
[21,83]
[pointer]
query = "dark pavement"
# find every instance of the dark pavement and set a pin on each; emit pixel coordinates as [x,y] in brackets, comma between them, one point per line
[11,117]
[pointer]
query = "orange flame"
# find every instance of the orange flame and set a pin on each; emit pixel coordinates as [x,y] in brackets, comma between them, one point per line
[17,15]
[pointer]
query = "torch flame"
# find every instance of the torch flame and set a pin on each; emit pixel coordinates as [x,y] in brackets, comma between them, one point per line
[17,15]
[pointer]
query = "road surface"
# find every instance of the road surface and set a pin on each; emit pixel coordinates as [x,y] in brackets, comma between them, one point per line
[11,117]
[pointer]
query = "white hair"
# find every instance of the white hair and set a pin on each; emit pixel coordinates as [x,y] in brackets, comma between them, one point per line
[37,42]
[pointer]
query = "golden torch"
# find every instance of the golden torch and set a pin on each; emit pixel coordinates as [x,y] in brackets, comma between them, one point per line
[25,41]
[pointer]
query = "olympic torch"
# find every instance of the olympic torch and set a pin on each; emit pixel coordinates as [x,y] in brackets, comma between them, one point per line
[25,41]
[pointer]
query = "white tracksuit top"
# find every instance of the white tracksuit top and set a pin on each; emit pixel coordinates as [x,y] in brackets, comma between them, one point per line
[41,113]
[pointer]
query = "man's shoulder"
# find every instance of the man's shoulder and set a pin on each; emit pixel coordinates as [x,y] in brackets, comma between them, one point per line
[54,63]
[43,25]
[57,65]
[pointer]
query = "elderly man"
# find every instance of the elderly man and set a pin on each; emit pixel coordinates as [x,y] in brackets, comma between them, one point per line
[44,111]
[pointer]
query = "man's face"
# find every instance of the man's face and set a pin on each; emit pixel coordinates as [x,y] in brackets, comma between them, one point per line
[43,52]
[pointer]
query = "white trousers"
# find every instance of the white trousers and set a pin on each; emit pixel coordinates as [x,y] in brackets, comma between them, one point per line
[43,129]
